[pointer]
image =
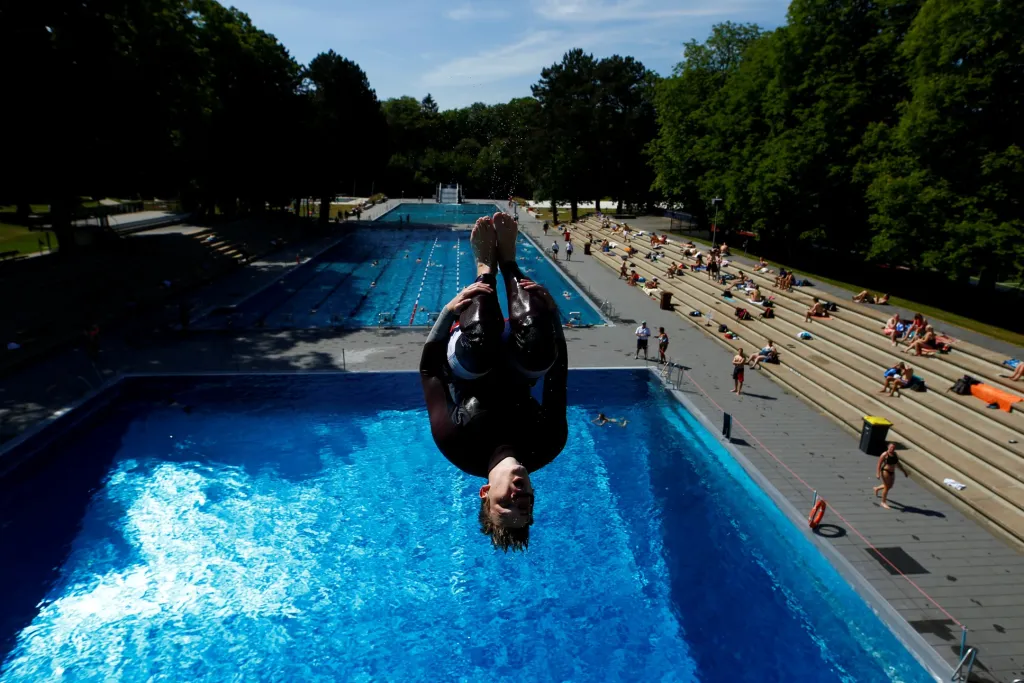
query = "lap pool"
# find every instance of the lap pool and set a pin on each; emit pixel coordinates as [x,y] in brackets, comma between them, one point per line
[303,528]
[403,273]
[434,213]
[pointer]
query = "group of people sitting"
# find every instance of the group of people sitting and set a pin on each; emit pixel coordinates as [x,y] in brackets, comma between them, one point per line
[919,336]
[785,280]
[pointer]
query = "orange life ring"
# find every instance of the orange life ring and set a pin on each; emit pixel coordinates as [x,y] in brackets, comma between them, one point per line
[817,512]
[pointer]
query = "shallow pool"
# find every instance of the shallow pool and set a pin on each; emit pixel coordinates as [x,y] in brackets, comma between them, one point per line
[402,274]
[303,528]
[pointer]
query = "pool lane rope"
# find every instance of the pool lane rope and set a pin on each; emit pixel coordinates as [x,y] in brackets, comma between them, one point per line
[834,511]
[426,269]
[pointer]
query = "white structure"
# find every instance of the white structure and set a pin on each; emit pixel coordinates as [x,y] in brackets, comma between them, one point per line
[449,194]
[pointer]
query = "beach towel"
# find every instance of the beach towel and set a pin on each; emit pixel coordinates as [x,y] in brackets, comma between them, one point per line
[990,394]
[1011,363]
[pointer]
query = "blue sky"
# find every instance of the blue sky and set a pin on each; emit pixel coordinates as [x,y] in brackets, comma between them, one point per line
[467,51]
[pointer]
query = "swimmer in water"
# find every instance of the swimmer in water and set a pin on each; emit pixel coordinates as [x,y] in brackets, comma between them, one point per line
[603,419]
[477,378]
[374,263]
[419,260]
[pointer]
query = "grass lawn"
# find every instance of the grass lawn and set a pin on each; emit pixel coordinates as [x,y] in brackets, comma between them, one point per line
[564,214]
[925,310]
[22,240]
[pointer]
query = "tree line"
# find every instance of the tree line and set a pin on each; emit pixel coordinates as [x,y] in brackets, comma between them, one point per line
[188,99]
[885,132]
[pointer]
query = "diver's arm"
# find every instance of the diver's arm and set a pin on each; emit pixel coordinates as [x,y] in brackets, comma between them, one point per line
[435,388]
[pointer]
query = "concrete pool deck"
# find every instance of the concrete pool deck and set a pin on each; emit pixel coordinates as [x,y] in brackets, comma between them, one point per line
[976,578]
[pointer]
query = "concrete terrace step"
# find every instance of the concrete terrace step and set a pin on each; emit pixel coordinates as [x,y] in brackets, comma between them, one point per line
[965,359]
[977,360]
[992,493]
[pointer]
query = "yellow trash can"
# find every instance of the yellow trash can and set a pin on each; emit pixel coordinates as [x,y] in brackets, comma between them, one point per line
[873,434]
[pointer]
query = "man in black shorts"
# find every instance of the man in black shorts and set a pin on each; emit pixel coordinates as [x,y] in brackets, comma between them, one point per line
[477,376]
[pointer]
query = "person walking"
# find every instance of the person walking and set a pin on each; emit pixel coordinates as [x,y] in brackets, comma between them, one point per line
[662,345]
[739,362]
[554,250]
[568,251]
[546,228]
[885,470]
[643,333]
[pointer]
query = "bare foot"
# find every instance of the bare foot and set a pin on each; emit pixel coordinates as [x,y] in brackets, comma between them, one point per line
[485,245]
[507,231]
[886,505]
[732,391]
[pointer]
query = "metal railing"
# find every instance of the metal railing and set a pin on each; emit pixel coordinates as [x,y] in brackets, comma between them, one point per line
[962,672]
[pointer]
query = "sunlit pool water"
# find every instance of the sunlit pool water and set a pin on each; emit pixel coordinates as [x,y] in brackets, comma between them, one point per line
[404,274]
[304,528]
[434,213]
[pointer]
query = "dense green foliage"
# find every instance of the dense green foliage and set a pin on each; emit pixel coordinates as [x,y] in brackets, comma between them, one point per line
[174,98]
[885,130]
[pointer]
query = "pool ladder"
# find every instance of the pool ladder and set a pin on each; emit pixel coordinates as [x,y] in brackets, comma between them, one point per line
[962,672]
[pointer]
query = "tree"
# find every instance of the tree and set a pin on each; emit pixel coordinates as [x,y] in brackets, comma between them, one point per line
[683,103]
[946,179]
[567,92]
[347,124]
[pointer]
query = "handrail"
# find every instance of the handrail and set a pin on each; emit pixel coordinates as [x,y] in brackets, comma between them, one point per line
[959,675]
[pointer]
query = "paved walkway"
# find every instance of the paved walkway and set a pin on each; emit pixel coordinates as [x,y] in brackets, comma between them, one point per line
[976,578]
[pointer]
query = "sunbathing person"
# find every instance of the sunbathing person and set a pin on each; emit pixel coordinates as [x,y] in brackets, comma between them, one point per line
[816,310]
[927,342]
[477,378]
[867,297]
[1018,372]
[672,268]
[634,278]
[902,381]
[603,419]
[769,353]
[787,285]
[623,275]
[781,278]
[651,284]
[756,296]
[891,375]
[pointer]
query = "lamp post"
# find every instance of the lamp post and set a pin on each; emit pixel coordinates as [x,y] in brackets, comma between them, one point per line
[716,202]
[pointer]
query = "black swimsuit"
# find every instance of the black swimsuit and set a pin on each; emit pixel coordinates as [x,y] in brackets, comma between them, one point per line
[890,463]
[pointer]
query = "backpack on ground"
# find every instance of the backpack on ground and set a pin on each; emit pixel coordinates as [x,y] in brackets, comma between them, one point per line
[742,314]
[768,313]
[918,384]
[963,385]
[723,328]
[830,306]
[695,314]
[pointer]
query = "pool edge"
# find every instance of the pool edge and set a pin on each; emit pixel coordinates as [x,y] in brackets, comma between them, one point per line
[911,640]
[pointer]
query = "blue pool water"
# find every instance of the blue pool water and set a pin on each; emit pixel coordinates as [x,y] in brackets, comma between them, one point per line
[303,528]
[418,271]
[434,213]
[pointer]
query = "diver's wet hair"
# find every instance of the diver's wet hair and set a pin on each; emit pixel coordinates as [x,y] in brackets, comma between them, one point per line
[502,537]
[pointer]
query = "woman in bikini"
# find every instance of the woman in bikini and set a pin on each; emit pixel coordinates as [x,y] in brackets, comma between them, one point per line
[886,471]
[926,342]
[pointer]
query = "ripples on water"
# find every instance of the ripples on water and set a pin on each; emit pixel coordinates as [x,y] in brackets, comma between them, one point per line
[303,542]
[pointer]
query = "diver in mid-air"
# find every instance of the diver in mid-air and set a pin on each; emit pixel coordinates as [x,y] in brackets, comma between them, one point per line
[477,371]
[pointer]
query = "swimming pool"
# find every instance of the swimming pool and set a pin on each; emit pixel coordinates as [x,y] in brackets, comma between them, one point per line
[405,273]
[434,213]
[303,528]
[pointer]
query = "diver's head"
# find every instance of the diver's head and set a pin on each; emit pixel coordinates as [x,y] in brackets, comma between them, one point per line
[506,504]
